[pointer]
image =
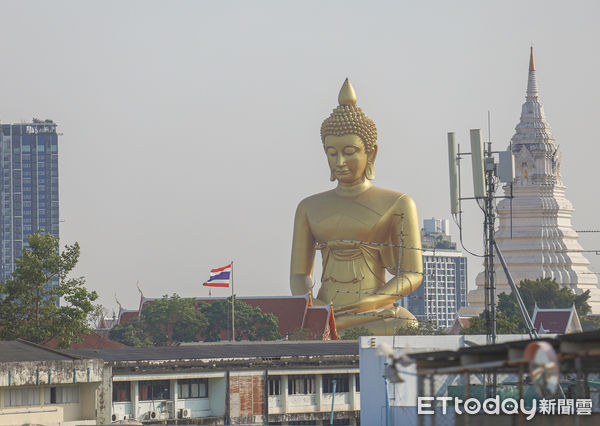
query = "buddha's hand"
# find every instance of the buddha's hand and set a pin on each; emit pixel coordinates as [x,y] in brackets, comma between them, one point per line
[369,303]
[399,286]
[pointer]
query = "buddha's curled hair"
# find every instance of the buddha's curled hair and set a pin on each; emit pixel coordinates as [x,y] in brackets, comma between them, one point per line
[350,120]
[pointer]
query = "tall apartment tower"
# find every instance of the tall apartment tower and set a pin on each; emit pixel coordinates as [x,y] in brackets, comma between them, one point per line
[444,288]
[28,187]
[536,236]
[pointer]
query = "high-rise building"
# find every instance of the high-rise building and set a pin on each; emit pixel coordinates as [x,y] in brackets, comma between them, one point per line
[28,187]
[444,288]
[535,233]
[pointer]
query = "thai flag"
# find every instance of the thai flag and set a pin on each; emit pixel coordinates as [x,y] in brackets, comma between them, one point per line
[219,277]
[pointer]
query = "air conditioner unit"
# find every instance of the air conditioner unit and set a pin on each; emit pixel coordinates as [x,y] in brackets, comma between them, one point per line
[184,413]
[152,414]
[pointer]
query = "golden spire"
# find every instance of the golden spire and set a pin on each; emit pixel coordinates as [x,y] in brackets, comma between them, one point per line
[118,303]
[137,284]
[531,61]
[347,95]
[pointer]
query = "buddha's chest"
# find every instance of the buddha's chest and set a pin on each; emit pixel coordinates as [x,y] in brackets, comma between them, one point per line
[342,219]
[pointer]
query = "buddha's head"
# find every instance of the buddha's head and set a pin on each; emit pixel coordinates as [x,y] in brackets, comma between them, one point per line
[350,140]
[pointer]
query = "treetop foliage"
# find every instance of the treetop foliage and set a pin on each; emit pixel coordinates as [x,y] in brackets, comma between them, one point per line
[170,320]
[545,292]
[30,307]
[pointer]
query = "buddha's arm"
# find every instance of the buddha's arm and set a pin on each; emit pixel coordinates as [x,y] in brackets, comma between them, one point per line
[408,275]
[303,254]
[405,233]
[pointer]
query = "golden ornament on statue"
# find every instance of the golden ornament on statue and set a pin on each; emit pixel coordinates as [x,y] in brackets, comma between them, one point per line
[361,230]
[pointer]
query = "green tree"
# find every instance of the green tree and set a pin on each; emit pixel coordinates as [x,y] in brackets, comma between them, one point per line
[163,322]
[250,322]
[423,328]
[133,333]
[30,308]
[173,319]
[299,334]
[170,320]
[355,333]
[546,292]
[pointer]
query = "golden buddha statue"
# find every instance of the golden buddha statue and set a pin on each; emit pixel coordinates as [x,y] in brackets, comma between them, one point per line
[361,230]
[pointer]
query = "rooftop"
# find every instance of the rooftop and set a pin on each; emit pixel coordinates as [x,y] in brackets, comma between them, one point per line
[21,350]
[223,350]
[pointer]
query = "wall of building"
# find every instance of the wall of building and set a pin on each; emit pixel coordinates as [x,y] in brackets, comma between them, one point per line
[316,403]
[79,408]
[443,290]
[242,397]
[39,377]
[217,395]
[212,405]
[246,396]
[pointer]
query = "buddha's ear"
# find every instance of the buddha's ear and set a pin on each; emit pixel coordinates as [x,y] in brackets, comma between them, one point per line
[372,155]
[370,168]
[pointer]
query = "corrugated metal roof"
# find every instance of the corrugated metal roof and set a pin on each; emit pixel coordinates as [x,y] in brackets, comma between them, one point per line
[223,351]
[19,350]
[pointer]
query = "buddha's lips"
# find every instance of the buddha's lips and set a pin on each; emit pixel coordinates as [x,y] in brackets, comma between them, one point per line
[342,172]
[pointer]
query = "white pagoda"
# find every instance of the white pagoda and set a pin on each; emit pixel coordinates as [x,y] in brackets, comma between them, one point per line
[542,242]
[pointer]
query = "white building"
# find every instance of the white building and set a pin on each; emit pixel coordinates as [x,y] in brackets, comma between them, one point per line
[443,290]
[233,383]
[539,241]
[40,385]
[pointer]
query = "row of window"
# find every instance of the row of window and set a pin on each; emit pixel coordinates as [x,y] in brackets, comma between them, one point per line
[160,390]
[305,384]
[32,396]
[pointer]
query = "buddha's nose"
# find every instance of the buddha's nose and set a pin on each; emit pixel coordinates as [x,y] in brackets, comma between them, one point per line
[340,160]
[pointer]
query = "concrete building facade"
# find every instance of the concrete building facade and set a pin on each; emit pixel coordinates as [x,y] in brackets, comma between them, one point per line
[233,383]
[40,385]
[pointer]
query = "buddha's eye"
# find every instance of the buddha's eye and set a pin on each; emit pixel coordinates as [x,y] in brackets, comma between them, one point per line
[349,150]
[331,151]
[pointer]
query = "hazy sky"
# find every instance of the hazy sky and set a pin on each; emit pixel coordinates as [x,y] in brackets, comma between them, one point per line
[190,130]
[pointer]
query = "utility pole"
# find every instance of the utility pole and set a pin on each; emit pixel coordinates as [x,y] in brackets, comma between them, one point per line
[489,224]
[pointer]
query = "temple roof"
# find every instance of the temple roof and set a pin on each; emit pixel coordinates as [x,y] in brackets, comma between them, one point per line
[556,321]
[292,312]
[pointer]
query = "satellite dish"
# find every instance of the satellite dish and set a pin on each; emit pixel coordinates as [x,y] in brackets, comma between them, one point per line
[544,369]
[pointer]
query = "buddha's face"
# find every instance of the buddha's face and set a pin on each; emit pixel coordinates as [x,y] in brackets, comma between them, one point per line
[347,158]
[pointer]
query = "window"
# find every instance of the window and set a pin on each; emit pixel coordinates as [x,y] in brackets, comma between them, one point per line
[194,388]
[301,385]
[274,386]
[121,391]
[154,390]
[61,395]
[16,397]
[357,382]
[341,383]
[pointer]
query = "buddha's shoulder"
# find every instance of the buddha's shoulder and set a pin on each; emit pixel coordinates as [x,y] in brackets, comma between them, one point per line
[316,199]
[387,198]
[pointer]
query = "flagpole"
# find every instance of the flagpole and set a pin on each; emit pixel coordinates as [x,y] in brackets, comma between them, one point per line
[232,307]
